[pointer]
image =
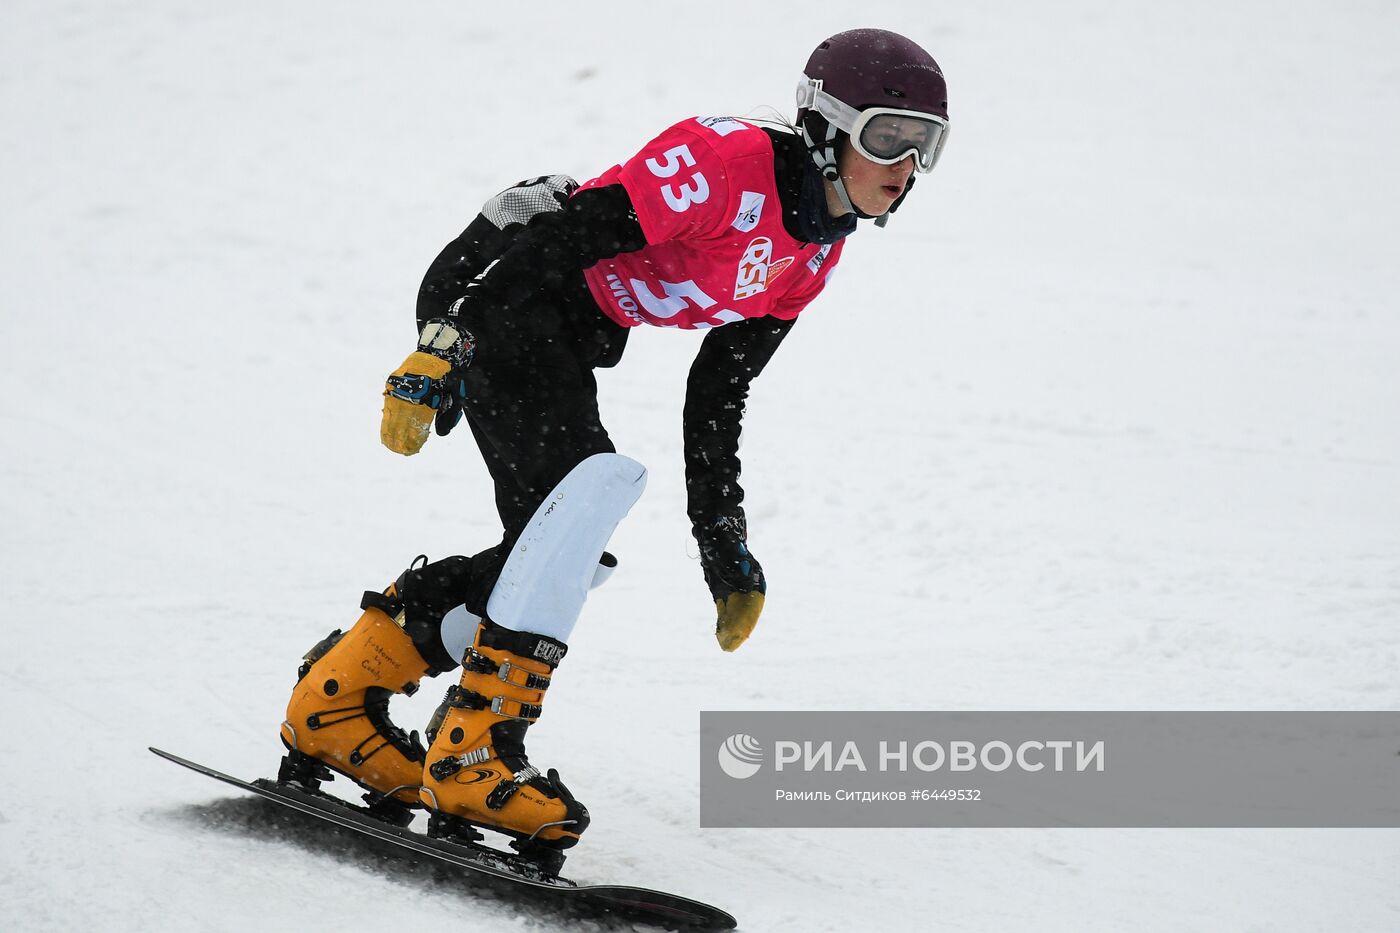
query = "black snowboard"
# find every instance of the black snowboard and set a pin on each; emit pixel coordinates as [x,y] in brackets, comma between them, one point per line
[636,903]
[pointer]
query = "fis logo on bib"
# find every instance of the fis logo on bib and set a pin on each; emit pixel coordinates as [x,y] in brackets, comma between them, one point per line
[750,210]
[757,270]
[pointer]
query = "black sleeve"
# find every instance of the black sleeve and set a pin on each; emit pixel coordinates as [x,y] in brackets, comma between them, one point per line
[730,358]
[592,225]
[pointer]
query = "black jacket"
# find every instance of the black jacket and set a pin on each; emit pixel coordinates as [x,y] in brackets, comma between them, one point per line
[549,254]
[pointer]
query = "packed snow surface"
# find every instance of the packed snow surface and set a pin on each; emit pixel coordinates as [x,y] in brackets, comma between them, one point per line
[1105,419]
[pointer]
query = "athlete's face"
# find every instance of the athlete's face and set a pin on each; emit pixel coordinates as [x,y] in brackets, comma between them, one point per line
[872,187]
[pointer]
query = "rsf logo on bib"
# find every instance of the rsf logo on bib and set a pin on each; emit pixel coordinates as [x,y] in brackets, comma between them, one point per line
[740,756]
[757,269]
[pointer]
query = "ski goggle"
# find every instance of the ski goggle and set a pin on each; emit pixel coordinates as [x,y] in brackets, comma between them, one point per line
[884,135]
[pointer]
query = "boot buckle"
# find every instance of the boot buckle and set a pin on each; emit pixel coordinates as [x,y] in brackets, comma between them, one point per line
[476,756]
[444,768]
[475,661]
[527,712]
[533,681]
[503,791]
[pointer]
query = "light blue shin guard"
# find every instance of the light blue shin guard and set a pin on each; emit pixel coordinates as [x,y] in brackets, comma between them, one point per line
[556,561]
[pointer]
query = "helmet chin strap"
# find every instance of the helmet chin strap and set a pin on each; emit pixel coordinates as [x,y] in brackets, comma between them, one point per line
[824,156]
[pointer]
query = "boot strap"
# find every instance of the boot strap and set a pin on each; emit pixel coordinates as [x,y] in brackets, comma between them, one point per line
[389,605]
[479,663]
[462,698]
[529,712]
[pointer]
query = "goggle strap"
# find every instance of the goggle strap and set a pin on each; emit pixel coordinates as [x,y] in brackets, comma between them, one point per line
[810,96]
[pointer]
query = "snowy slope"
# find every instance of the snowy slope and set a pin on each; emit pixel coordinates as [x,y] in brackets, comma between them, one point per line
[1105,419]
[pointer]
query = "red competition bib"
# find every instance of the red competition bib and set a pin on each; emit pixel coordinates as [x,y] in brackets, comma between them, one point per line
[716,248]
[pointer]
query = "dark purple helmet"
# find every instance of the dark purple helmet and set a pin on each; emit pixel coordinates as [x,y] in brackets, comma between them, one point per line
[878,68]
[880,90]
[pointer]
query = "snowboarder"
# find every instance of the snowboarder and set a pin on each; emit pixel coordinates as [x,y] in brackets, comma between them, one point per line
[717,221]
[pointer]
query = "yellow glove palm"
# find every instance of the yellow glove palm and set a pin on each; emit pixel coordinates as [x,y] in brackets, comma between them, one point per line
[738,614]
[734,576]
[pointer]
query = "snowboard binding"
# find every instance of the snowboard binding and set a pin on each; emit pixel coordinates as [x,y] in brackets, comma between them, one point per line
[531,857]
[307,773]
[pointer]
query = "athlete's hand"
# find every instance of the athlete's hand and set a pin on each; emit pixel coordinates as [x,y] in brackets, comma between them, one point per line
[428,386]
[734,576]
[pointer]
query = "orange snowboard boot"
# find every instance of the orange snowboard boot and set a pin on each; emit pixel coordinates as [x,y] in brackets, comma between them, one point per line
[338,717]
[476,771]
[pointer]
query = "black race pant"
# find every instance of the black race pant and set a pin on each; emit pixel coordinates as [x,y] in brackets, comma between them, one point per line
[532,400]
[532,404]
